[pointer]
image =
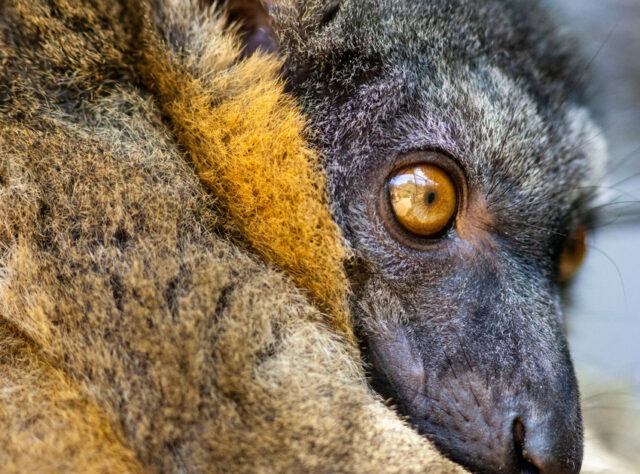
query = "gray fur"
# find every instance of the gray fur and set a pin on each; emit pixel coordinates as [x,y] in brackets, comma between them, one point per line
[473,326]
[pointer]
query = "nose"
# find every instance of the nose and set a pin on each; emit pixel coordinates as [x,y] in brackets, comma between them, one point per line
[513,423]
[517,449]
[489,435]
[492,432]
[539,452]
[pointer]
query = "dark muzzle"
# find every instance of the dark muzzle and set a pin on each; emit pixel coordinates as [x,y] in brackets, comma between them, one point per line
[493,411]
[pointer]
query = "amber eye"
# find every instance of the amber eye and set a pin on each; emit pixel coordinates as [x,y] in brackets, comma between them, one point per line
[423,198]
[572,255]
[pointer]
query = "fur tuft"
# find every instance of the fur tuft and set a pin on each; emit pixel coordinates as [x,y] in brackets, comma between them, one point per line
[270,183]
[136,323]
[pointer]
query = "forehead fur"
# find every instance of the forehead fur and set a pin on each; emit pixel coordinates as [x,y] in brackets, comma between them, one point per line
[490,83]
[517,36]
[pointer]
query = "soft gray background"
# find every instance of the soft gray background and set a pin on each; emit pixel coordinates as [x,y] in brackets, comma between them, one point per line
[605,318]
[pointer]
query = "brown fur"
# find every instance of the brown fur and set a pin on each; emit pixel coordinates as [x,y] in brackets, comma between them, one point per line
[250,151]
[138,332]
[140,327]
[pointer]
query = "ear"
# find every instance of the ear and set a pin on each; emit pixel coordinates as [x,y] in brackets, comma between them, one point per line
[253,22]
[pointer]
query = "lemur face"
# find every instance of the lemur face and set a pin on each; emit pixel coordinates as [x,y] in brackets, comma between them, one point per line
[459,158]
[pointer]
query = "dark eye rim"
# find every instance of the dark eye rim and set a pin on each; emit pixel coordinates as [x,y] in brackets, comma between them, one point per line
[385,210]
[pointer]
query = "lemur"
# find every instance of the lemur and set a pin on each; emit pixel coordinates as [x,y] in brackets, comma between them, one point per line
[173,284]
[459,152]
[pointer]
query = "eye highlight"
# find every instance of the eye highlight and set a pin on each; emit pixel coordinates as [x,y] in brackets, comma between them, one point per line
[572,255]
[423,199]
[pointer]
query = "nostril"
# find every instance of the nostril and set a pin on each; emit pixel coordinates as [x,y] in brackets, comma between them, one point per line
[525,464]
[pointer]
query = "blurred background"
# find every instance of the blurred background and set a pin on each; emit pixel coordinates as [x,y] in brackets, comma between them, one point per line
[605,318]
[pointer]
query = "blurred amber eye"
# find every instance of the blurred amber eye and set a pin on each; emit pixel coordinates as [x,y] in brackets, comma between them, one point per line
[423,199]
[572,255]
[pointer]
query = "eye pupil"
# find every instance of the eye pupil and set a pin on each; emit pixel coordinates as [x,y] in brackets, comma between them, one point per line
[431,197]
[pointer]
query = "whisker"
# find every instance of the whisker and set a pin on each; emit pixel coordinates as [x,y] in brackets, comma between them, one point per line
[618,163]
[627,178]
[615,265]
[587,67]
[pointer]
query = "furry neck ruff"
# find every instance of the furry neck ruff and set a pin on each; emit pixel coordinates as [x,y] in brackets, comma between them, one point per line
[148,322]
[245,138]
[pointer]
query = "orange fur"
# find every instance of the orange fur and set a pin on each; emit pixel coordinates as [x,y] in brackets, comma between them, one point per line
[140,332]
[133,336]
[269,182]
[60,429]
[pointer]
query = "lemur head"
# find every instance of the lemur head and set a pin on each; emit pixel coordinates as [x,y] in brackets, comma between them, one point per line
[460,159]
